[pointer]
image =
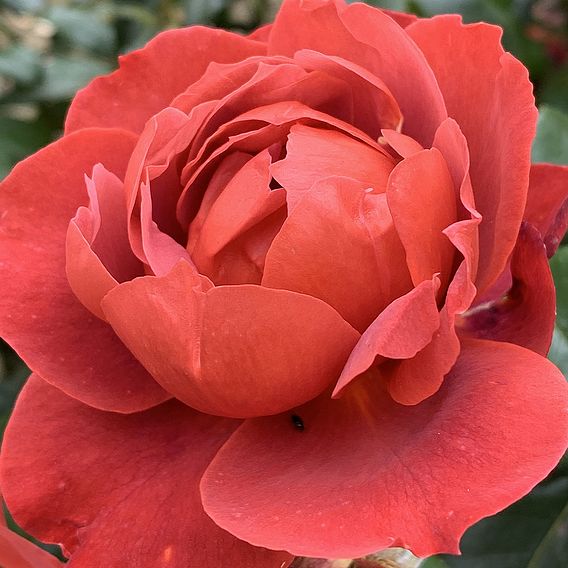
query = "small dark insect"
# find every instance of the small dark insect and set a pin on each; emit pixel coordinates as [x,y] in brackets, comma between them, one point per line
[297,422]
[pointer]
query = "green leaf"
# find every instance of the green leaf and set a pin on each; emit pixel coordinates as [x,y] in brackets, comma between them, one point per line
[553,90]
[18,139]
[398,5]
[551,142]
[202,11]
[559,267]
[558,353]
[20,64]
[434,562]
[64,76]
[88,29]
[529,534]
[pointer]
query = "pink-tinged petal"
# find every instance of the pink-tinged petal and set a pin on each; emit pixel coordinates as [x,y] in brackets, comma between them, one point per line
[163,69]
[97,249]
[339,245]
[374,105]
[422,201]
[234,351]
[55,334]
[371,39]
[17,552]
[123,490]
[313,154]
[525,315]
[402,144]
[399,332]
[409,476]
[245,203]
[498,118]
[548,190]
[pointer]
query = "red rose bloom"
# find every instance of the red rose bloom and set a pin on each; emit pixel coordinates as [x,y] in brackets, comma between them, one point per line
[284,294]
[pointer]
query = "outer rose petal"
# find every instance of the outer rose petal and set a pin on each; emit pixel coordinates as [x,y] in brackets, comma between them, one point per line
[127,497]
[367,473]
[498,118]
[548,190]
[168,64]
[526,314]
[55,334]
[235,351]
[17,552]
[359,33]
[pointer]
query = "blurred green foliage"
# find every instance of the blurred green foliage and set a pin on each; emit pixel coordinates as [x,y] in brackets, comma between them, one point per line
[50,49]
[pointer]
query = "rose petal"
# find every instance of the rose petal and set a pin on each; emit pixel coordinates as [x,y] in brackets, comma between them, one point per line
[525,316]
[159,72]
[402,144]
[337,241]
[374,105]
[368,37]
[165,136]
[282,81]
[261,33]
[111,508]
[401,18]
[55,334]
[498,118]
[313,154]
[452,144]
[399,332]
[402,66]
[98,252]
[408,383]
[253,132]
[17,552]
[422,201]
[548,190]
[367,473]
[245,203]
[235,351]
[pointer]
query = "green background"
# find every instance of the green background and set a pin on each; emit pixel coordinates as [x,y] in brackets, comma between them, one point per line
[48,50]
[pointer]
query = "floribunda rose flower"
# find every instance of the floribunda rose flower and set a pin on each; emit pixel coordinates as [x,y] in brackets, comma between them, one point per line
[284,294]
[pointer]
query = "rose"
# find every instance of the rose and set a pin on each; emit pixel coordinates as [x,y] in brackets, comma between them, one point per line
[251,280]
